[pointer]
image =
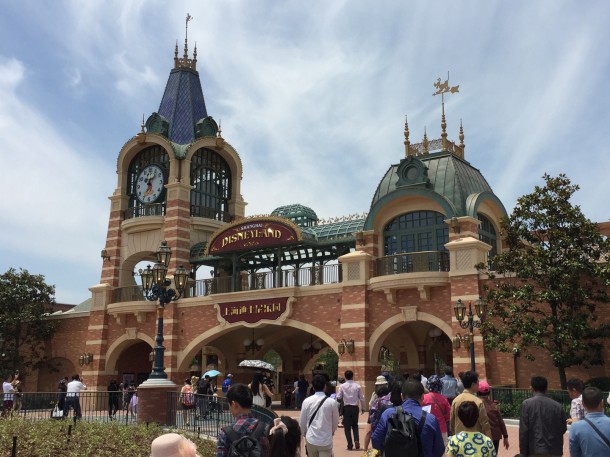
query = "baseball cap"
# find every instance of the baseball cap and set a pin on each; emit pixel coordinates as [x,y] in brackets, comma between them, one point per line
[484,387]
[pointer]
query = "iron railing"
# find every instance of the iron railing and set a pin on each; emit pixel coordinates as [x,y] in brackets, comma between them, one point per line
[210,213]
[510,399]
[94,406]
[209,414]
[154,209]
[129,293]
[309,276]
[413,262]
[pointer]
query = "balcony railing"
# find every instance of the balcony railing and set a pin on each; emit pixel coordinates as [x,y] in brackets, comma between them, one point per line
[129,293]
[154,209]
[413,262]
[210,213]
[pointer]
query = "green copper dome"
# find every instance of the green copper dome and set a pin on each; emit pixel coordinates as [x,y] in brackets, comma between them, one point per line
[301,215]
[441,176]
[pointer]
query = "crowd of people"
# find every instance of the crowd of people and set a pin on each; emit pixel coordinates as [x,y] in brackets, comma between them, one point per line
[451,415]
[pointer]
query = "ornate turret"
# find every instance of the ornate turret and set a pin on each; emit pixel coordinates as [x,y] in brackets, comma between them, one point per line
[182,107]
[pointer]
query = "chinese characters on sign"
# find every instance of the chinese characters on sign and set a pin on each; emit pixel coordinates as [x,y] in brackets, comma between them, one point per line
[253,311]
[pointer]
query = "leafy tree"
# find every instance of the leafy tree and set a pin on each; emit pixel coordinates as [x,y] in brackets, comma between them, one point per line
[25,299]
[547,284]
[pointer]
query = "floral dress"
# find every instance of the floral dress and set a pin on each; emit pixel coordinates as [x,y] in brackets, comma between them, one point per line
[470,444]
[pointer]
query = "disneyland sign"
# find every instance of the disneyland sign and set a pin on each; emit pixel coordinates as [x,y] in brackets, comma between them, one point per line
[254,311]
[256,233]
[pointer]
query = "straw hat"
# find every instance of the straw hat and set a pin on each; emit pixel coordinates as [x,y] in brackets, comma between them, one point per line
[173,445]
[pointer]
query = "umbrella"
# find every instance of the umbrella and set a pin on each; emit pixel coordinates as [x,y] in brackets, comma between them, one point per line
[257,364]
[211,373]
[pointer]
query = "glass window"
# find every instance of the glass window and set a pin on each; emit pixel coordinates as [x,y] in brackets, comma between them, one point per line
[487,234]
[211,181]
[416,231]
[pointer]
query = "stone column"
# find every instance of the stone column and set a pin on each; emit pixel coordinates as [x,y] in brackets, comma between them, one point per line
[154,402]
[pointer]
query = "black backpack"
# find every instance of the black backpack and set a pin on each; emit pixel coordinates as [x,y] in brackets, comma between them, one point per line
[403,437]
[245,445]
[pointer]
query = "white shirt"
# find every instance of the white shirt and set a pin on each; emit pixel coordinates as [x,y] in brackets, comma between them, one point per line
[74,388]
[7,388]
[321,431]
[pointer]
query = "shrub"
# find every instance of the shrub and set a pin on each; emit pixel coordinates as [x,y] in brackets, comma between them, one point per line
[43,438]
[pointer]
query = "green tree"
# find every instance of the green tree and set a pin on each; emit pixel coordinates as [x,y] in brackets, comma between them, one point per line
[549,281]
[25,300]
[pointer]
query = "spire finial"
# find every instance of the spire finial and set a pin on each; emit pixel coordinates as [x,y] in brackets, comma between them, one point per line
[220,141]
[407,143]
[462,145]
[185,61]
[425,142]
[186,36]
[141,136]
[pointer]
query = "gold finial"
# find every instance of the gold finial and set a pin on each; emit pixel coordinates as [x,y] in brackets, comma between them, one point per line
[219,139]
[425,142]
[185,61]
[407,143]
[462,145]
[442,89]
[141,136]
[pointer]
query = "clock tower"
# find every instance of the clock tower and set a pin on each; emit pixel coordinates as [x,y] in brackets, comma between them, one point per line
[178,180]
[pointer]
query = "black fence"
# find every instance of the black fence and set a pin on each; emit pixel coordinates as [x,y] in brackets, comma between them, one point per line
[207,416]
[510,399]
[94,406]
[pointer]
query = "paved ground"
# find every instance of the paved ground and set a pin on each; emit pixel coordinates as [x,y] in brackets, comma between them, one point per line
[340,449]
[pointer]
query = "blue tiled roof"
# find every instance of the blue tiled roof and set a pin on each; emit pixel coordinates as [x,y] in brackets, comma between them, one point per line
[183,104]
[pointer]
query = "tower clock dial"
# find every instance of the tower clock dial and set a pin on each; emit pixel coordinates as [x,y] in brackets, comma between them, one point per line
[149,185]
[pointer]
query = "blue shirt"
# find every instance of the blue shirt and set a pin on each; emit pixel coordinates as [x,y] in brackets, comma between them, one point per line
[584,441]
[431,438]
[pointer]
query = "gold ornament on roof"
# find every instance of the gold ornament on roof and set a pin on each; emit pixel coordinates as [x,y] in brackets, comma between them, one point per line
[185,61]
[443,88]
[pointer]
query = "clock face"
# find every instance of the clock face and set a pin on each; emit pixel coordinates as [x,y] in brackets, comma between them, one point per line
[149,185]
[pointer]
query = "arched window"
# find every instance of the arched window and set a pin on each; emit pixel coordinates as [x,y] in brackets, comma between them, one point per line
[417,231]
[211,181]
[487,234]
[150,167]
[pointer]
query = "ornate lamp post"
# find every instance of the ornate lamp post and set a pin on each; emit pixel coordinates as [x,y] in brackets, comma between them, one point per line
[156,287]
[460,312]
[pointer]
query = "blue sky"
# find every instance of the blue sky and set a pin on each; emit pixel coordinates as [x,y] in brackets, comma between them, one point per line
[311,94]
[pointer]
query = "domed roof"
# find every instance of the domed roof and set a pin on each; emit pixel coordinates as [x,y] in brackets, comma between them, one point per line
[443,176]
[301,215]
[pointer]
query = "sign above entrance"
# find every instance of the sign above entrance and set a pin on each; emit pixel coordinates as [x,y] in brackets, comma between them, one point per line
[254,233]
[253,311]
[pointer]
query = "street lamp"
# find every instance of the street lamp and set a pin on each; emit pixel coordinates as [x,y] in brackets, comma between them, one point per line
[460,313]
[156,287]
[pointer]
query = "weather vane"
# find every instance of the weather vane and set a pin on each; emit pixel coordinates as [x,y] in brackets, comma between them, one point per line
[188,18]
[442,89]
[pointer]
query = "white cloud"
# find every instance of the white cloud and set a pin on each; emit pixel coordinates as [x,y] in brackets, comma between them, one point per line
[313,98]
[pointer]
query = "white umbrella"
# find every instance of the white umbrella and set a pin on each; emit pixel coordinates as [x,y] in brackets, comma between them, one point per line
[261,365]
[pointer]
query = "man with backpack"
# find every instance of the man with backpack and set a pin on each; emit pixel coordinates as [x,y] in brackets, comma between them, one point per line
[247,436]
[407,429]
